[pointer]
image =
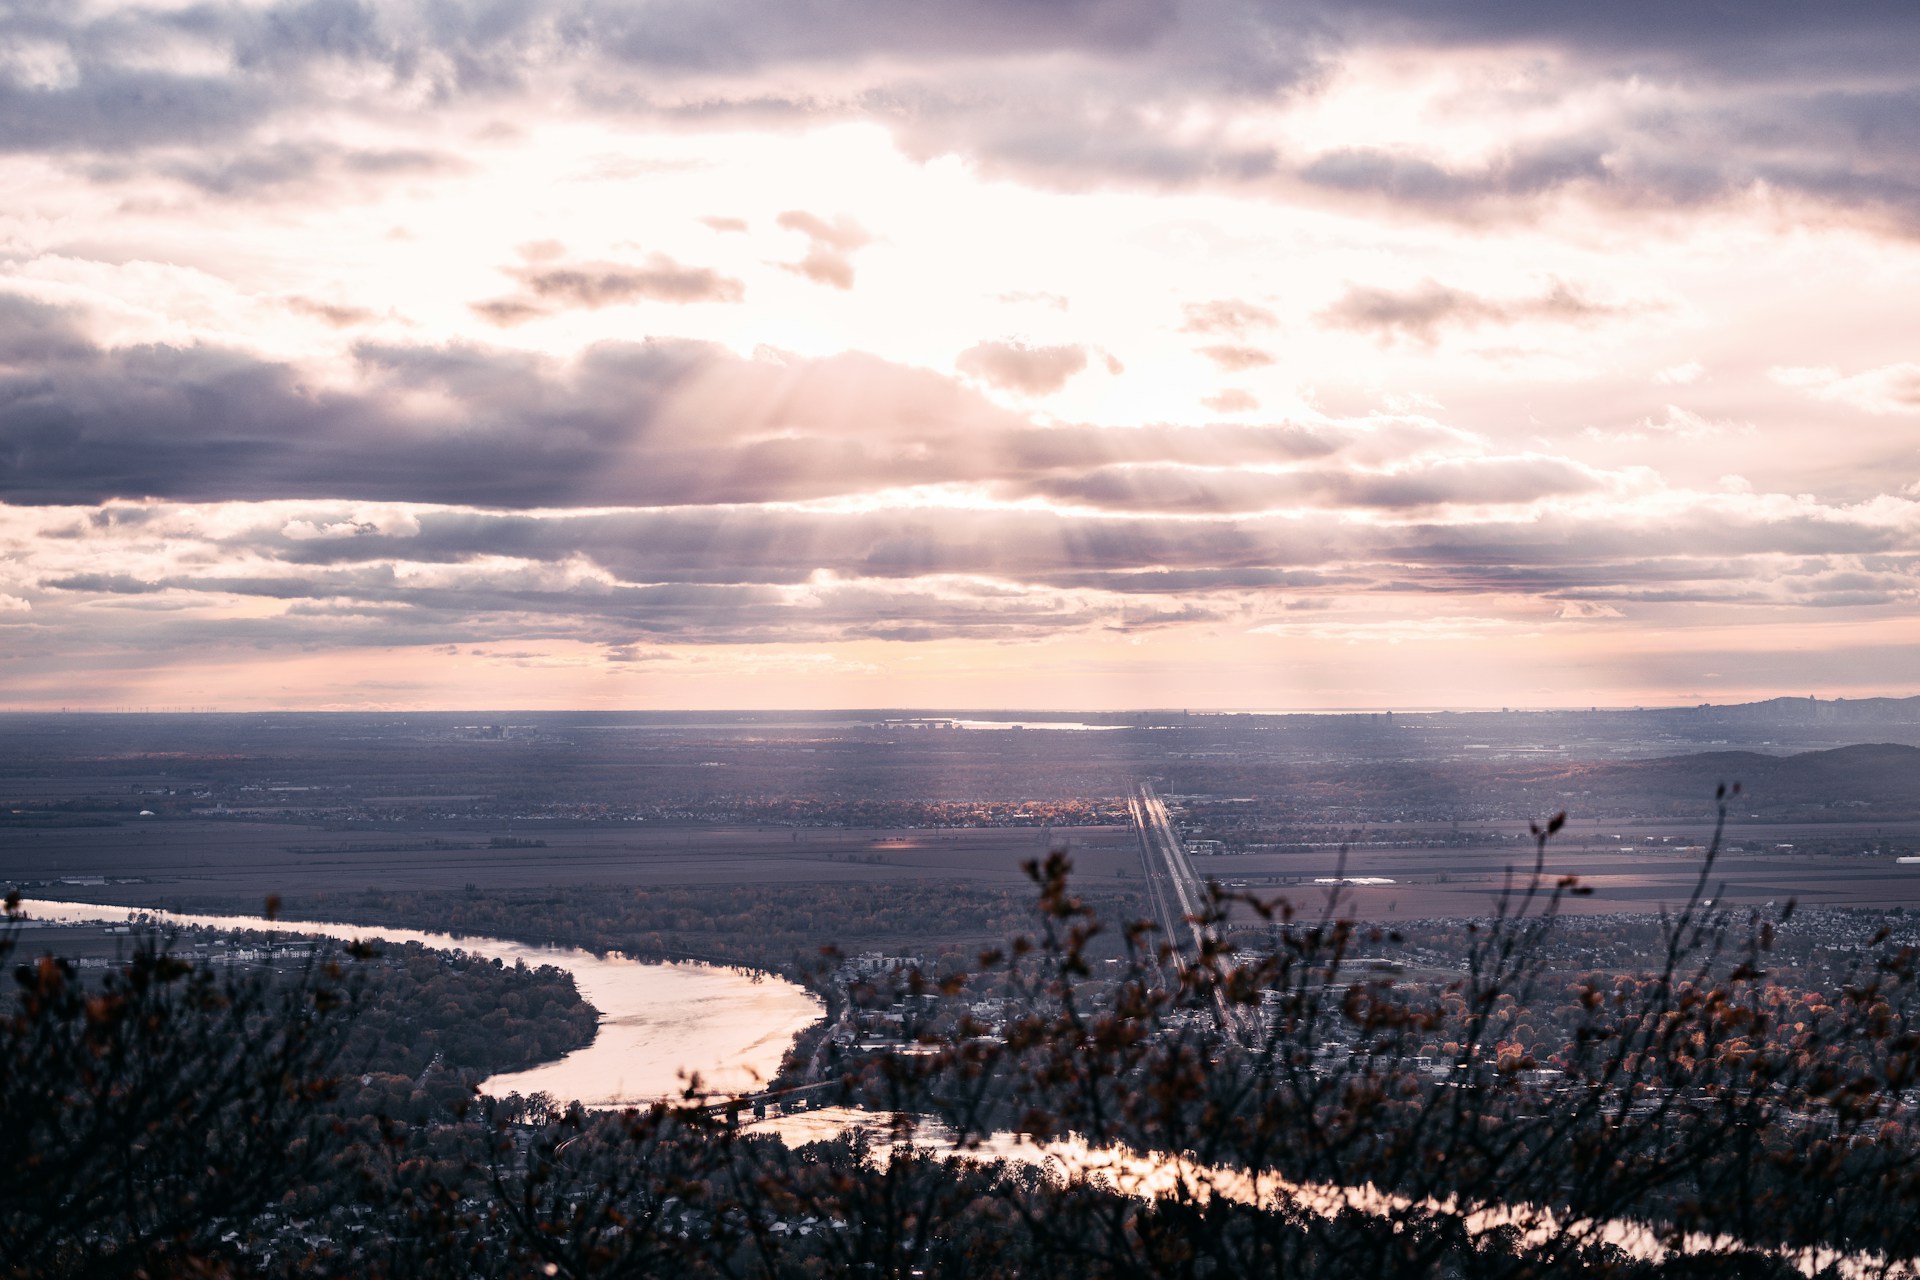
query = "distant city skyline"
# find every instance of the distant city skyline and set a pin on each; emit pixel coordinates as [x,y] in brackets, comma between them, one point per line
[1098,355]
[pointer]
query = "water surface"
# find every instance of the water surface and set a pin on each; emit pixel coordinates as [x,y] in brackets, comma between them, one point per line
[657,1021]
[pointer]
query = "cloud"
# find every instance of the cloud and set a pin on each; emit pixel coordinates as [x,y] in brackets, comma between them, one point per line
[334,314]
[605,284]
[1681,375]
[830,246]
[264,170]
[632,653]
[1231,400]
[207,575]
[1421,312]
[1015,366]
[1649,110]
[592,285]
[508,312]
[1418,183]
[1227,315]
[1437,483]
[1234,359]
[1678,37]
[33,333]
[103,584]
[362,522]
[1893,388]
[1675,423]
[660,422]
[1036,297]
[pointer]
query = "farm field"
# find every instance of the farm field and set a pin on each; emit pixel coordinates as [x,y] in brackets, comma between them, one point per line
[156,862]
[219,812]
[1646,869]
[160,861]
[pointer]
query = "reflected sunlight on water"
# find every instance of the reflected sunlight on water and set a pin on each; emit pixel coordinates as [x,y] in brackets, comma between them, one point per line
[656,1020]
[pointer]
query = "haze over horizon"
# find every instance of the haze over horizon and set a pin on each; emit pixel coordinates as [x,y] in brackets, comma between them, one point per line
[1102,354]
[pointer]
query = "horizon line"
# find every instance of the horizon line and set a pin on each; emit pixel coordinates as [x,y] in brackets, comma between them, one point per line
[934,712]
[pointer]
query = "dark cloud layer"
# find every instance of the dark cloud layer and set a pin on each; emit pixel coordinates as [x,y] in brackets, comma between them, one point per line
[1816,100]
[742,575]
[1498,481]
[660,422]
[671,491]
[1765,38]
[664,491]
[278,169]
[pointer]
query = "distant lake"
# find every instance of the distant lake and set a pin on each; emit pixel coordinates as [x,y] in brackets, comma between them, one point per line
[1036,724]
[656,1020]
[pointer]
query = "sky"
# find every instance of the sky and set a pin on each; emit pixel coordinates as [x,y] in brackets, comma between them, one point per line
[912,353]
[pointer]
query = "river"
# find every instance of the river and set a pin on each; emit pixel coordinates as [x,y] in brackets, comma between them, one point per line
[657,1021]
[734,1025]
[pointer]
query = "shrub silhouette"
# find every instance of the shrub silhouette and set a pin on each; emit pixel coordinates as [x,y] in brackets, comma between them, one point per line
[149,1114]
[1279,1111]
[1289,1108]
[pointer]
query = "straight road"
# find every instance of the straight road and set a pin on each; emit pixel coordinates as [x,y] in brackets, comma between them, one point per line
[1175,892]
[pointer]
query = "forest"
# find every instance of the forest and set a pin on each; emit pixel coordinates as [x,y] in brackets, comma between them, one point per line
[430,1025]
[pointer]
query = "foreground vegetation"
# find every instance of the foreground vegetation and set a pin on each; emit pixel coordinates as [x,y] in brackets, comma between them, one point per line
[1287,1111]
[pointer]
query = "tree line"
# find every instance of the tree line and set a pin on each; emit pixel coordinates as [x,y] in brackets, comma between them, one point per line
[778,927]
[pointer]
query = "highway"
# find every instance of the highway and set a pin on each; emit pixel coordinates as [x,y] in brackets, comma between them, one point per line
[1174,891]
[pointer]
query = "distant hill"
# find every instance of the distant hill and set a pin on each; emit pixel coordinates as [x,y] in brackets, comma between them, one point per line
[1879,779]
[1812,711]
